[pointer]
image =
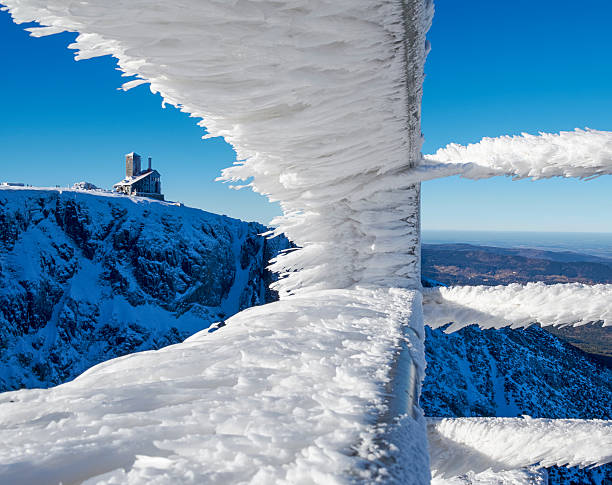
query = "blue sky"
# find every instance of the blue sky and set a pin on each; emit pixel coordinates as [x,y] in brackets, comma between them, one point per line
[496,67]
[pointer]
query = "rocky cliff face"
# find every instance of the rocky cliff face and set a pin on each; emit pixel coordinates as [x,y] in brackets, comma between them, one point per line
[510,373]
[85,277]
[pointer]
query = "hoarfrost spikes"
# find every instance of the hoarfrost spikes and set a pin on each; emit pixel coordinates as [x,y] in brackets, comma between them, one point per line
[517,305]
[582,154]
[464,445]
[302,89]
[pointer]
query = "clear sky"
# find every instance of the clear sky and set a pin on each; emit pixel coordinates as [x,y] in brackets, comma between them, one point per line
[496,67]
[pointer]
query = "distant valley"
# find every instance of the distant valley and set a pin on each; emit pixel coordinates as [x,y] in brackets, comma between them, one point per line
[467,264]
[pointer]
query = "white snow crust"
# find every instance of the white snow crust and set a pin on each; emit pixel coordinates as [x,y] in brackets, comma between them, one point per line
[320,98]
[517,305]
[290,392]
[462,445]
[583,154]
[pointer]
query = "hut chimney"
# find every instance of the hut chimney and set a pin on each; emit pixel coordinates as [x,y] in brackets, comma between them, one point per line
[132,164]
[149,164]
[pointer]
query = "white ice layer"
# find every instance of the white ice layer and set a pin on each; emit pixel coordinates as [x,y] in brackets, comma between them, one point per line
[463,445]
[290,392]
[517,305]
[580,153]
[319,98]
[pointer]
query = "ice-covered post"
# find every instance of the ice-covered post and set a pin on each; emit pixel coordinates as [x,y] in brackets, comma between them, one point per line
[355,209]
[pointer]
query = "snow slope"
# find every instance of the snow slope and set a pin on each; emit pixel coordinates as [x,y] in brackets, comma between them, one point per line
[88,276]
[292,392]
[510,373]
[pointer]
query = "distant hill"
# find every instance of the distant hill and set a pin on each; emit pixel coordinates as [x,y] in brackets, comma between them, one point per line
[466,264]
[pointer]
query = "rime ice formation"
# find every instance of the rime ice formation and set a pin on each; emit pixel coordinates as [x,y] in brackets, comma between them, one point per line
[321,101]
[580,153]
[302,89]
[524,476]
[517,305]
[461,445]
[290,392]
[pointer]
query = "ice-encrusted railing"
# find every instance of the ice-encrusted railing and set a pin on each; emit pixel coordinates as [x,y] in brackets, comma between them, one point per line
[321,100]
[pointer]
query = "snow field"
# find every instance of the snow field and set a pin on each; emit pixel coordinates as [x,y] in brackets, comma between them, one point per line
[290,392]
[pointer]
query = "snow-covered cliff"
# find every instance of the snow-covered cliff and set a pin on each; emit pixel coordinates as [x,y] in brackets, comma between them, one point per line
[88,276]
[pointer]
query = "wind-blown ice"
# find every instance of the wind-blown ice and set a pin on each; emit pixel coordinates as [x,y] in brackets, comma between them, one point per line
[580,153]
[302,89]
[462,445]
[517,305]
[291,392]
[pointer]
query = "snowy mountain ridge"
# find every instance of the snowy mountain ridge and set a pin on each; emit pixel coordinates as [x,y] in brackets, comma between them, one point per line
[88,276]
